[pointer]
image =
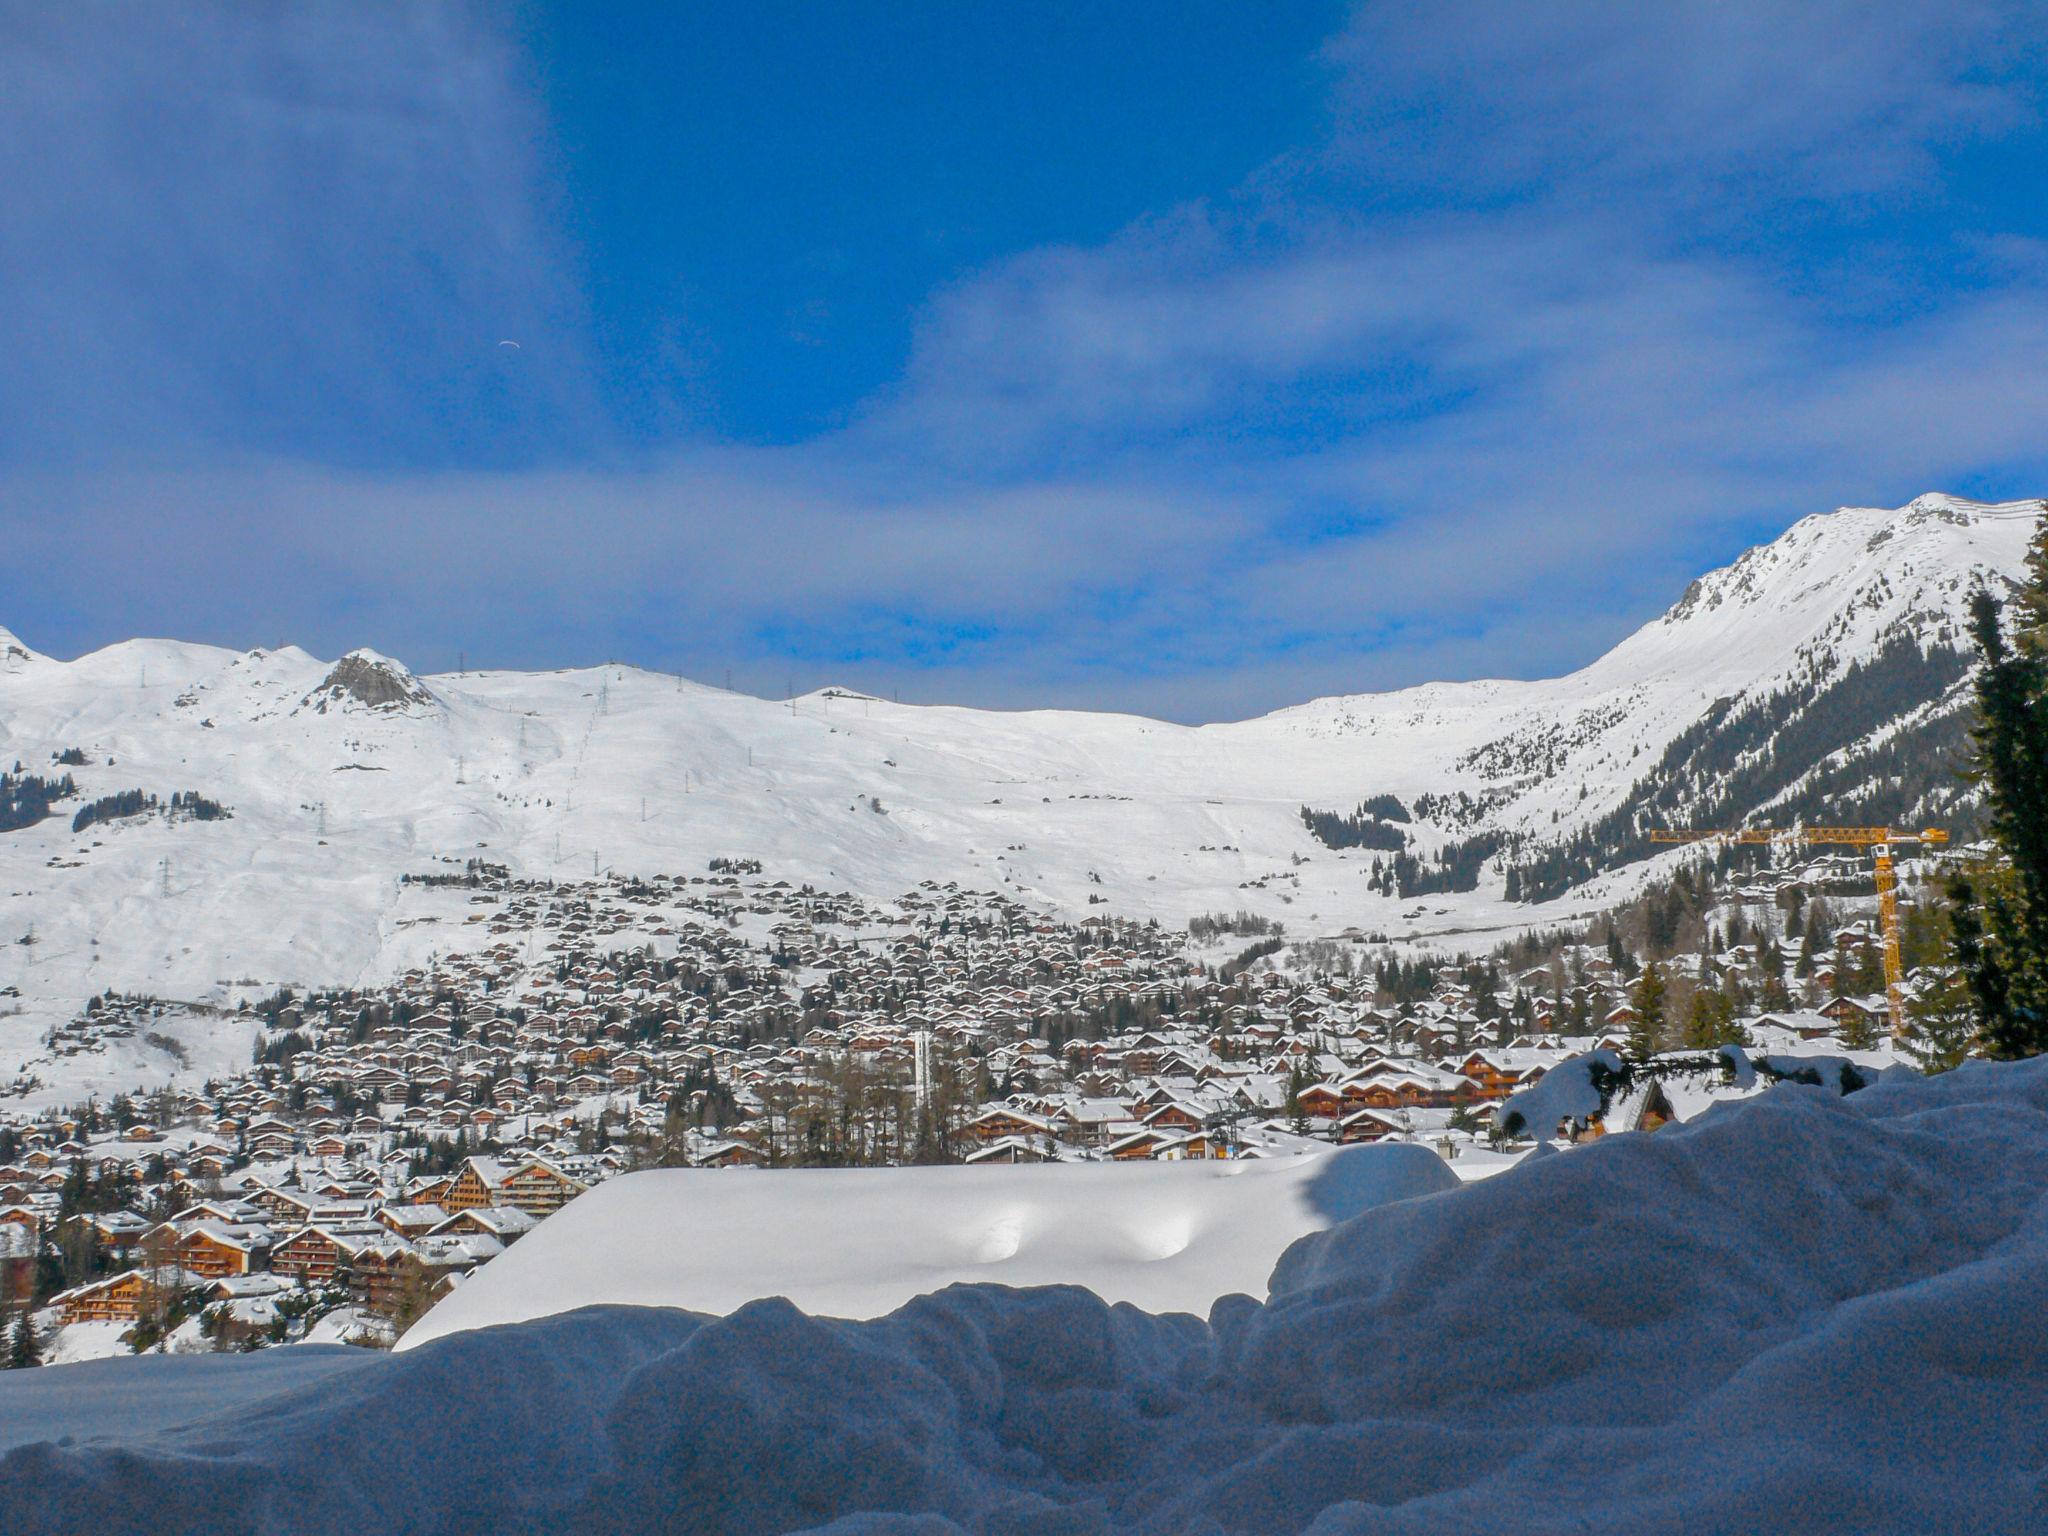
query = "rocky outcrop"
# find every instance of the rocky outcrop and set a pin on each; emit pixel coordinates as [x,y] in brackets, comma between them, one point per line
[363,680]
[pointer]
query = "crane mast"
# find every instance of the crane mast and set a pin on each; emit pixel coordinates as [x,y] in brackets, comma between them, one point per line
[1879,840]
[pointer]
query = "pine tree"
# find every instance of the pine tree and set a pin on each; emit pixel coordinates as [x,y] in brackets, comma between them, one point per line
[1711,1021]
[1297,1116]
[1775,996]
[1647,999]
[2000,916]
[1941,1024]
[2032,599]
[23,1349]
[1859,1031]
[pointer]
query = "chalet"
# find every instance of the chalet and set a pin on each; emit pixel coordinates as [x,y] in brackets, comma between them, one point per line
[1321,1101]
[538,1188]
[428,1191]
[504,1223]
[1173,1116]
[477,1182]
[1366,1125]
[1849,1012]
[123,1298]
[381,1271]
[209,1247]
[731,1154]
[17,1265]
[315,1255]
[1655,1111]
[1139,1146]
[411,1220]
[117,1233]
[1001,1121]
[1203,1146]
[1807,1026]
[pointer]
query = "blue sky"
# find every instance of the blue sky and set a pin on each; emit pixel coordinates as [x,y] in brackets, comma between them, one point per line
[1190,359]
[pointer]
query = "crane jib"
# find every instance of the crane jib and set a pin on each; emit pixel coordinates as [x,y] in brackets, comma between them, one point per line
[1879,841]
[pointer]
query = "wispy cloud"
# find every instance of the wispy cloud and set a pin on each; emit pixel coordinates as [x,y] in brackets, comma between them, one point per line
[298,230]
[1570,299]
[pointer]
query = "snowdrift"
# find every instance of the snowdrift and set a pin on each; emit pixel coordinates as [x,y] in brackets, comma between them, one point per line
[1800,1313]
[1169,1237]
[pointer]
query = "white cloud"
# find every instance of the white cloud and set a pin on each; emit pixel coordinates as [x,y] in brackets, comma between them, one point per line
[1470,388]
[301,228]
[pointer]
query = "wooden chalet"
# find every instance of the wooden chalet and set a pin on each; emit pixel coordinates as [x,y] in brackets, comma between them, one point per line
[122,1298]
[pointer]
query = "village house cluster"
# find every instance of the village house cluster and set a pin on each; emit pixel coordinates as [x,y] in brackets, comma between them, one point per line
[385,1143]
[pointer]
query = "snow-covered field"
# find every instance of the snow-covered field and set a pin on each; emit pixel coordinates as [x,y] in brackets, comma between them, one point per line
[1169,1237]
[1800,1313]
[559,774]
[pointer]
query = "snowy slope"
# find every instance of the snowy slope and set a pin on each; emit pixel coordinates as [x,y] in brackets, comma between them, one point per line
[1801,1313]
[1170,1237]
[341,778]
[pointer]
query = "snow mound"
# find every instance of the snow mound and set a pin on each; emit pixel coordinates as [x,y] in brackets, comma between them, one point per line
[364,680]
[1170,1237]
[1806,1312]
[351,1325]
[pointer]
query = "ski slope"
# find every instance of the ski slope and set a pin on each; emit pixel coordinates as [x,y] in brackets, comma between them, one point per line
[343,778]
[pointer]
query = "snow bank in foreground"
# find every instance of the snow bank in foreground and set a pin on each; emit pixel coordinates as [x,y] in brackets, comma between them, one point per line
[1169,1237]
[1804,1312]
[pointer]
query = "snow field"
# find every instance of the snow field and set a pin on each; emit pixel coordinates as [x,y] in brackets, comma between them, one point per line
[1802,1312]
[556,774]
[1168,1236]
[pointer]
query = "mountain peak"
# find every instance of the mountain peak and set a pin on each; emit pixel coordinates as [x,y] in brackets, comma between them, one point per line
[1936,542]
[365,680]
[13,654]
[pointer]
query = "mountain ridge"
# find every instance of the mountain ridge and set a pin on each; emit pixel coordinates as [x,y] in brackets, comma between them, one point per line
[1825,669]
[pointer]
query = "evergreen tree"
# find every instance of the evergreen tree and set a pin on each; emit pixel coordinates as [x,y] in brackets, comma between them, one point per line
[1711,1021]
[1647,999]
[2001,914]
[23,1348]
[1775,996]
[1941,1024]
[1860,1031]
[2032,600]
[1297,1116]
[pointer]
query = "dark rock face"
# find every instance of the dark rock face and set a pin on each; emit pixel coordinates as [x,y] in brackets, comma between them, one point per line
[368,681]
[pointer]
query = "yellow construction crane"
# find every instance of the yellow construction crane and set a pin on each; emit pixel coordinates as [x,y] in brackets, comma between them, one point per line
[1879,841]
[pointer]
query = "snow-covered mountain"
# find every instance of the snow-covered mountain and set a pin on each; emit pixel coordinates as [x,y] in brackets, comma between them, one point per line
[1820,675]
